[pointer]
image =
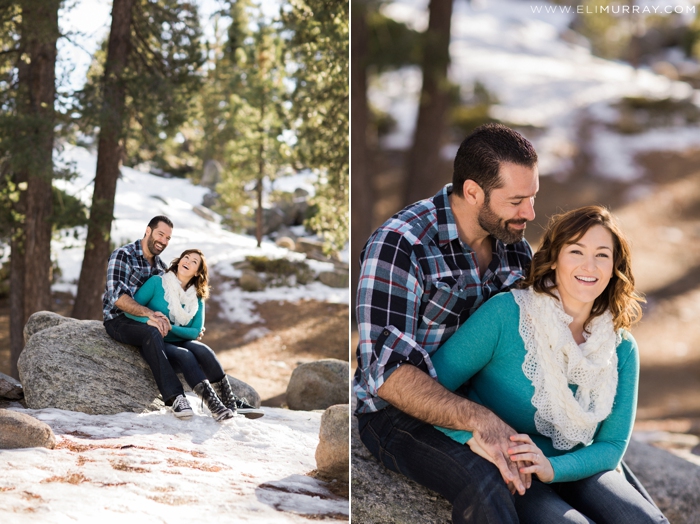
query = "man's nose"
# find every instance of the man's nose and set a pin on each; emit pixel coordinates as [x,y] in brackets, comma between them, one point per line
[527,210]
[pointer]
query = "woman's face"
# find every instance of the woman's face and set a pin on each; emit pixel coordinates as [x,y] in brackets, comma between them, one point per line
[188,266]
[584,268]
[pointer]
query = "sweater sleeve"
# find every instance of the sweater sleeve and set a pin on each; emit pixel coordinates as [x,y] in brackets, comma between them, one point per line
[193,328]
[143,296]
[469,350]
[610,441]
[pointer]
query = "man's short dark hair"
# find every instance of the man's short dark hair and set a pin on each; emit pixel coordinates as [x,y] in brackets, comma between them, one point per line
[158,219]
[481,154]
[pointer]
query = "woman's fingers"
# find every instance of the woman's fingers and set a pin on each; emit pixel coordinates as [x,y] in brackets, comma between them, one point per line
[522,457]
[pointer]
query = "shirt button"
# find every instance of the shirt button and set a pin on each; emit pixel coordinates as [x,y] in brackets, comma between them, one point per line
[385,332]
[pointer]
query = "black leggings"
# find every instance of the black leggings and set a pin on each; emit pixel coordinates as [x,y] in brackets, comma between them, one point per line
[197,361]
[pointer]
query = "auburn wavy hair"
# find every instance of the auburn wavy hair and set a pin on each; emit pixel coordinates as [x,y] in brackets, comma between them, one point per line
[567,228]
[201,279]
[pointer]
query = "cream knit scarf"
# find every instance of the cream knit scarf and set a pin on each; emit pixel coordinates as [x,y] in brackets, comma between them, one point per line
[554,360]
[183,305]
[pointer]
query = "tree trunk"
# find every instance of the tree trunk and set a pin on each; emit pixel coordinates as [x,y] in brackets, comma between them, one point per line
[362,190]
[259,191]
[424,157]
[30,266]
[93,274]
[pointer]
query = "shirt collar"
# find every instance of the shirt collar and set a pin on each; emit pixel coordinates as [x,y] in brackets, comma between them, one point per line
[447,227]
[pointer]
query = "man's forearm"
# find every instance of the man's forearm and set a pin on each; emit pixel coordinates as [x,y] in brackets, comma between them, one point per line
[417,394]
[129,305]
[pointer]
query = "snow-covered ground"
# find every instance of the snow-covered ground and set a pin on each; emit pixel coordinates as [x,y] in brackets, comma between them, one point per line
[154,468]
[141,196]
[540,79]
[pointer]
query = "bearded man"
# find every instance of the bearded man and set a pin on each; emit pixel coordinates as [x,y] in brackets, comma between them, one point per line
[128,269]
[424,272]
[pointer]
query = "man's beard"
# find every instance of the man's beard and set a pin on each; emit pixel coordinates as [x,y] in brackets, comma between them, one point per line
[151,243]
[497,227]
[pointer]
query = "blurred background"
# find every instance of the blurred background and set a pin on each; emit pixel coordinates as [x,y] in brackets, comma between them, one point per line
[608,93]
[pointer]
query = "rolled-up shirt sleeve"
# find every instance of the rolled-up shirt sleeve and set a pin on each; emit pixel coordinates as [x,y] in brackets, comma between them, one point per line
[118,274]
[388,311]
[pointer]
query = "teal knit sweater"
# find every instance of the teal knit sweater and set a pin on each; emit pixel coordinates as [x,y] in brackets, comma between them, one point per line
[489,352]
[152,296]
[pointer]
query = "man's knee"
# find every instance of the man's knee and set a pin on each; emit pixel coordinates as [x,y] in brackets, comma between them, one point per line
[152,339]
[485,499]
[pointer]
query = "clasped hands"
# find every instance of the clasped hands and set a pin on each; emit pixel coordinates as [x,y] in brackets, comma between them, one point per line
[515,455]
[159,321]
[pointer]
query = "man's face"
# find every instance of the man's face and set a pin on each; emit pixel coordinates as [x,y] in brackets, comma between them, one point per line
[504,215]
[157,239]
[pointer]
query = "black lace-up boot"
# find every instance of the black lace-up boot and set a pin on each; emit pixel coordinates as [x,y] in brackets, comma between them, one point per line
[232,402]
[207,394]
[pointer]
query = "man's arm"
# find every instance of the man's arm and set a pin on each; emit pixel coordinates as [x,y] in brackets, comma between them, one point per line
[417,394]
[155,318]
[395,367]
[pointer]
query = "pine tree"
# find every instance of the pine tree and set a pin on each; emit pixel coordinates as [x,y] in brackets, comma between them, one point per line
[255,103]
[144,89]
[431,125]
[29,31]
[320,107]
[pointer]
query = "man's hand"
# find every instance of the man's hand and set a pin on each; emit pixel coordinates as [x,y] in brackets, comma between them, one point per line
[492,436]
[159,321]
[417,394]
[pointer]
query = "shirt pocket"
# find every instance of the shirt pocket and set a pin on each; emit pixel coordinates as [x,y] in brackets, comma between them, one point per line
[138,278]
[444,300]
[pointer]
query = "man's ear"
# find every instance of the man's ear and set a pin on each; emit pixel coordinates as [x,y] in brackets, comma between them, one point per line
[148,232]
[473,193]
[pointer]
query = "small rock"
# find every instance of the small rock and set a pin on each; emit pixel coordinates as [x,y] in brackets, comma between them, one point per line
[251,281]
[286,243]
[19,430]
[205,213]
[319,385]
[338,279]
[332,458]
[10,388]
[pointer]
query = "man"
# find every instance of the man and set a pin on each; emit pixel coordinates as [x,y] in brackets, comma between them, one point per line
[424,272]
[129,268]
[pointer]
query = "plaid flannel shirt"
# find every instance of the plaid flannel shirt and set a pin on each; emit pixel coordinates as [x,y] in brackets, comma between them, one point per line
[418,283]
[127,271]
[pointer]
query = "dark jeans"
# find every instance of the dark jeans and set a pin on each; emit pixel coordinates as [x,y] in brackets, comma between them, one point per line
[605,498]
[417,450]
[475,487]
[197,361]
[152,347]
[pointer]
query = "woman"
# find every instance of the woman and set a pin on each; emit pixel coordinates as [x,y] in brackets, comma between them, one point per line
[556,362]
[179,294]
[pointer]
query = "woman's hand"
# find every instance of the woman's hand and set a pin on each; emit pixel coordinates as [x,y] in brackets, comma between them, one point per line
[476,448]
[528,452]
[159,321]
